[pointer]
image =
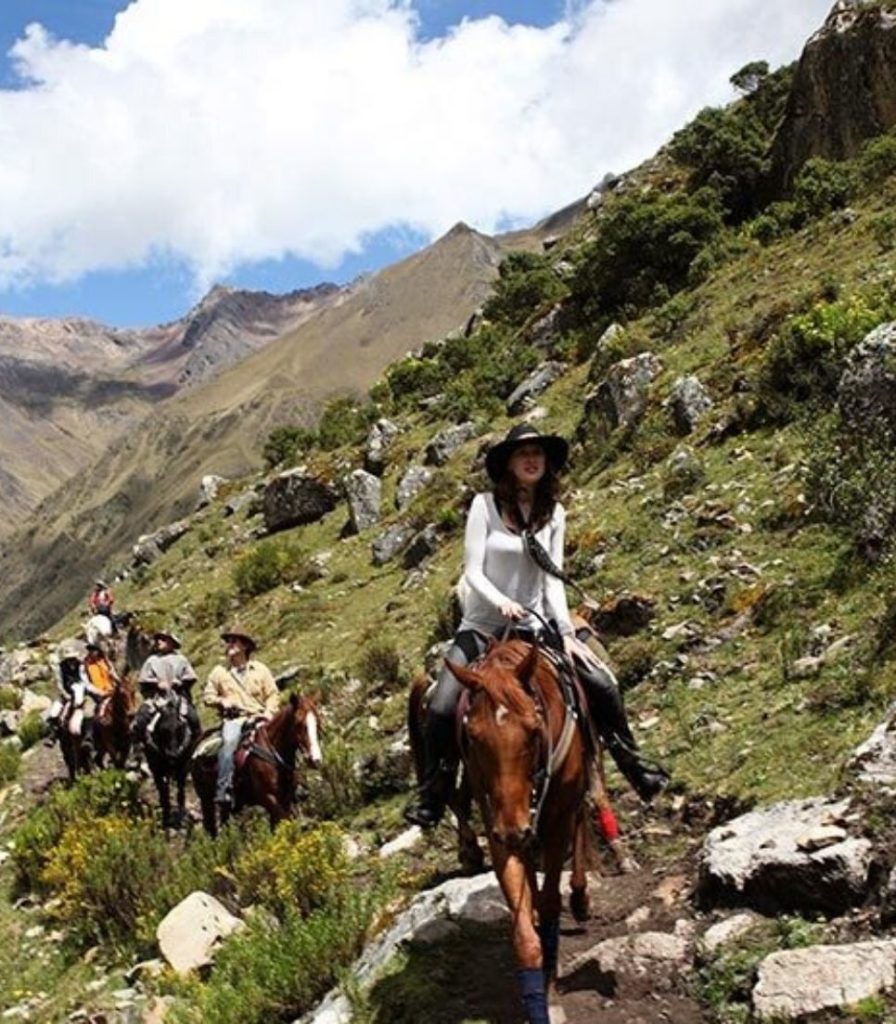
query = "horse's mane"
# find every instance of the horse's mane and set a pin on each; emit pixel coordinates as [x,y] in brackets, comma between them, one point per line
[504,687]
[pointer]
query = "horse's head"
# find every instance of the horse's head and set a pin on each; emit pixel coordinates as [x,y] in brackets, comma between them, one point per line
[505,737]
[171,735]
[305,723]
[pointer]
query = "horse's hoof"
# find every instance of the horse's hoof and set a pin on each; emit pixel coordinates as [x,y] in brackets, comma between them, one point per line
[580,905]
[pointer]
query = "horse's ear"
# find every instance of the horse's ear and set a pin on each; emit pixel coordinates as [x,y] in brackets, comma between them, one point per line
[463,675]
[527,666]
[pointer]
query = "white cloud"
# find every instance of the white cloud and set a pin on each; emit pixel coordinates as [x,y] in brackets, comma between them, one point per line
[224,131]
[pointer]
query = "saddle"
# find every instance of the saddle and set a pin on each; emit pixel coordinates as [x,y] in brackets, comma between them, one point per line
[211,742]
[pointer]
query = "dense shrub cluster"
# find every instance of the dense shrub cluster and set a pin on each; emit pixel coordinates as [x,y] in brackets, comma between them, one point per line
[527,283]
[268,564]
[343,420]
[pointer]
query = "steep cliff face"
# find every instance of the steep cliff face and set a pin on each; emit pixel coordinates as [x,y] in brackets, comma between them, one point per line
[844,90]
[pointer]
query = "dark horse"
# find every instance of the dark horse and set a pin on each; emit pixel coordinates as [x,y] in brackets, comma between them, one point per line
[528,767]
[112,724]
[75,740]
[265,769]
[169,746]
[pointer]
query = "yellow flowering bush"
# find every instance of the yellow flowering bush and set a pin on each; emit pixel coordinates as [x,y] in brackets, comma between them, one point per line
[293,870]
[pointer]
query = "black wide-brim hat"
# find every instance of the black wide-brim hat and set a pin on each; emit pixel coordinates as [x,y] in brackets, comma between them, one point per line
[556,449]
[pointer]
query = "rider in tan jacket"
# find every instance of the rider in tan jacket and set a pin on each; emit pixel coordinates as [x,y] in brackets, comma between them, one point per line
[241,689]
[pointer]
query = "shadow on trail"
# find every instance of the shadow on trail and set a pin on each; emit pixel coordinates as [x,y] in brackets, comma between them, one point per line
[468,978]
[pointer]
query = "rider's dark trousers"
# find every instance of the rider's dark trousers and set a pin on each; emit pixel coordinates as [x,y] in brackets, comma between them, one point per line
[145,713]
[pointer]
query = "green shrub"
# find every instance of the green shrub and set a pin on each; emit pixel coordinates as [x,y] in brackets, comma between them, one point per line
[526,283]
[883,227]
[278,972]
[93,796]
[269,564]
[343,421]
[824,185]
[10,698]
[284,444]
[412,379]
[380,665]
[31,729]
[643,252]
[335,790]
[10,760]
[291,870]
[877,160]
[213,608]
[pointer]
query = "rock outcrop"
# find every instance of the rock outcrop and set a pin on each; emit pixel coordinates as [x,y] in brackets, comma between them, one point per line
[363,491]
[844,90]
[189,933]
[296,497]
[621,398]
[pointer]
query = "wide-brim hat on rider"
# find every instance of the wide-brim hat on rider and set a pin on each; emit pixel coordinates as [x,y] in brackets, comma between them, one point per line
[555,448]
[70,650]
[165,635]
[238,633]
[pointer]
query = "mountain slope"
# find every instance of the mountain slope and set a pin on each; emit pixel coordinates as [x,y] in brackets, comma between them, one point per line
[150,473]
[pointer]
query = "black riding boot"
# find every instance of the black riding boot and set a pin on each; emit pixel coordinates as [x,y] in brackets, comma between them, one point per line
[439,776]
[608,714]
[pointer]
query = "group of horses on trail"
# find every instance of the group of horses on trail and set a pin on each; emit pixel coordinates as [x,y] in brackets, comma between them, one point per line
[265,763]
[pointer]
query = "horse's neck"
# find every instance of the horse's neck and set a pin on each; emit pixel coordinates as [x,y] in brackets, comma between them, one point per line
[280,735]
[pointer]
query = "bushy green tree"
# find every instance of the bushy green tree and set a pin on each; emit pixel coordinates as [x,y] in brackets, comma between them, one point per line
[526,282]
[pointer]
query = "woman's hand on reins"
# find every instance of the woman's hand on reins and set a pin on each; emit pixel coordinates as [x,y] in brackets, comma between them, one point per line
[512,610]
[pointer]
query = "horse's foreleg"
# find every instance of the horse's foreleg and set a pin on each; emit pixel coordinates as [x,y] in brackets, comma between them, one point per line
[579,904]
[468,850]
[513,876]
[558,835]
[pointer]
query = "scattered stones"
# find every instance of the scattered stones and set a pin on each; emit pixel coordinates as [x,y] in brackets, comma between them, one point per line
[756,860]
[294,498]
[415,479]
[391,542]
[795,983]
[688,403]
[363,492]
[379,441]
[190,932]
[524,395]
[151,546]
[446,442]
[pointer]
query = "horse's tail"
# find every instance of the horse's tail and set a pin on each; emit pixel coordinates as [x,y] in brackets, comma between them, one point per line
[416,718]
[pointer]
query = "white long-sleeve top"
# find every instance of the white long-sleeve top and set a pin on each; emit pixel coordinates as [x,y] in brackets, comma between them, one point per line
[498,569]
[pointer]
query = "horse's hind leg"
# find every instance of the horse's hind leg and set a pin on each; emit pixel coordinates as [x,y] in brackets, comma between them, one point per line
[605,818]
[579,903]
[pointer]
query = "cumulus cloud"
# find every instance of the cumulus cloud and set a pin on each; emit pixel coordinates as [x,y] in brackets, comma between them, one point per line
[219,132]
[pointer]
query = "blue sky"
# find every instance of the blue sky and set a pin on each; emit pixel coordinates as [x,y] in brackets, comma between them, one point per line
[286,142]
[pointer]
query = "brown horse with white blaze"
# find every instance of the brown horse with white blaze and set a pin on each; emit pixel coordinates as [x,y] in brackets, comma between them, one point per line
[528,767]
[265,774]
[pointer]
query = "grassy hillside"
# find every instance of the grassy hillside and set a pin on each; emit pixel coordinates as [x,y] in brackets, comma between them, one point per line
[753,546]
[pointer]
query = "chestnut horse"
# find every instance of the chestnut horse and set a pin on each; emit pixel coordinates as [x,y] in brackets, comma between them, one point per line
[264,773]
[528,767]
[112,723]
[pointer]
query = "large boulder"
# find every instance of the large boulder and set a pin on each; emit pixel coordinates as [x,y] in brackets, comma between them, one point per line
[873,763]
[621,398]
[796,855]
[363,492]
[422,546]
[189,934]
[539,380]
[208,489]
[447,441]
[793,984]
[843,91]
[415,480]
[391,542]
[296,497]
[379,441]
[689,403]
[866,393]
[151,546]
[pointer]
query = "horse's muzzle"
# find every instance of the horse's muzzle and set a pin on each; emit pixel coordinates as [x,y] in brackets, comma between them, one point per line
[515,838]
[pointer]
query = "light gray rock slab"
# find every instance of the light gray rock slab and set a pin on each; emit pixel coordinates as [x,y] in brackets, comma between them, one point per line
[873,763]
[189,933]
[414,480]
[363,491]
[728,931]
[446,443]
[538,381]
[635,955]
[795,983]
[688,403]
[760,860]
[621,397]
[379,440]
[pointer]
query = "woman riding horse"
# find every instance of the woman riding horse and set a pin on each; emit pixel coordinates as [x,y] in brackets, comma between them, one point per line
[513,552]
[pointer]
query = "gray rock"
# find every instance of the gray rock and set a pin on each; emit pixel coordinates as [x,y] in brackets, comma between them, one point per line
[423,545]
[151,546]
[730,930]
[544,332]
[539,380]
[609,338]
[189,933]
[415,480]
[294,498]
[208,489]
[873,763]
[795,983]
[363,491]
[659,955]
[391,542]
[866,393]
[683,473]
[446,442]
[760,860]
[249,501]
[379,441]
[621,398]
[9,722]
[688,403]
[33,702]
[401,843]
